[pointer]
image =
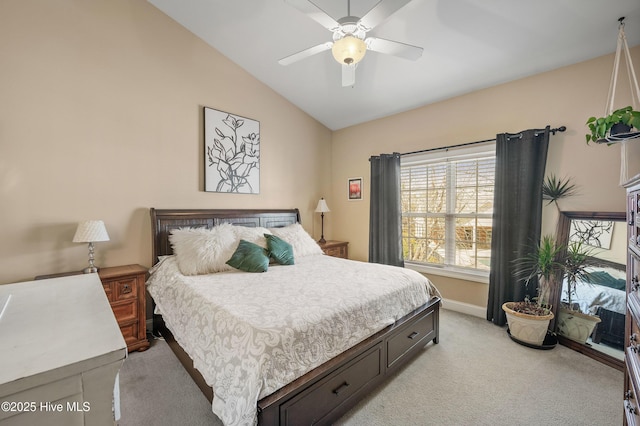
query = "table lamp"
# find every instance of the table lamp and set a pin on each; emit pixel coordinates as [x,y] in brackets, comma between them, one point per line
[90,231]
[322,208]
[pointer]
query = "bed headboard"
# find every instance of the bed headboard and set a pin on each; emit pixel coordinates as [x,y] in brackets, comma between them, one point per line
[164,220]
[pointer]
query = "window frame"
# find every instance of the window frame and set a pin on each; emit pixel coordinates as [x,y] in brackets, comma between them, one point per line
[486,148]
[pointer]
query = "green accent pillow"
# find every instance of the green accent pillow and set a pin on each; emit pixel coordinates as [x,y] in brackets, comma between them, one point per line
[605,279]
[279,250]
[249,257]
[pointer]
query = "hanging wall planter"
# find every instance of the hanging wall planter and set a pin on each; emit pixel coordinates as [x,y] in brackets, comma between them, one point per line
[621,124]
[601,129]
[620,130]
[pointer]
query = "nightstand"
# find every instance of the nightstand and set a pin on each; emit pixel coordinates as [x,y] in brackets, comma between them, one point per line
[335,248]
[125,289]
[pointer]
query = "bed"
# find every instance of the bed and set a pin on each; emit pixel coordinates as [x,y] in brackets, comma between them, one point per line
[604,295]
[311,380]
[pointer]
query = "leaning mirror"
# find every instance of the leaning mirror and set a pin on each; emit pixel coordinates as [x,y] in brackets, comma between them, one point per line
[591,313]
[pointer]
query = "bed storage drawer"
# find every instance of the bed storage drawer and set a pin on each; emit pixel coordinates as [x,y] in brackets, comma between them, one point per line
[317,405]
[409,336]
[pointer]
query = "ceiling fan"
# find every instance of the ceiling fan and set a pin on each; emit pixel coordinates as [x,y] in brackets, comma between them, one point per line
[350,42]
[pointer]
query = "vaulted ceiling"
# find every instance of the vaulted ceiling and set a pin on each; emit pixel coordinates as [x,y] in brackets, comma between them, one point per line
[468,45]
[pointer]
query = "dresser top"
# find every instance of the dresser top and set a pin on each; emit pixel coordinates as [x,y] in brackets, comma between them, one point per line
[55,326]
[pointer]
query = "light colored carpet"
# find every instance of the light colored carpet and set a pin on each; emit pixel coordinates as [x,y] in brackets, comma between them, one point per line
[475,376]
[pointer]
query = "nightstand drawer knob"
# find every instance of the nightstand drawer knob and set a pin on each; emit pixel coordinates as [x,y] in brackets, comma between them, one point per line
[126,288]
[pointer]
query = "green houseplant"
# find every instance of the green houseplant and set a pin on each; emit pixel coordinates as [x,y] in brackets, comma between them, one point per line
[601,127]
[529,319]
[572,322]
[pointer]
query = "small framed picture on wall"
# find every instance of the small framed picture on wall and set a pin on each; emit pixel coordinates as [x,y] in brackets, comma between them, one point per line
[355,188]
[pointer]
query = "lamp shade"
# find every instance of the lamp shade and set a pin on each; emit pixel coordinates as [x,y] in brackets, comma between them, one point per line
[322,206]
[90,231]
[349,50]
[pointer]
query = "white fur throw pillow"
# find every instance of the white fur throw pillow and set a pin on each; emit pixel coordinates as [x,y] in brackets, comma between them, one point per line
[203,251]
[253,235]
[300,240]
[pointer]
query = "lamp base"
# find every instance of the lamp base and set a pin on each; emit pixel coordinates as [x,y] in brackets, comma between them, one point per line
[90,269]
[322,240]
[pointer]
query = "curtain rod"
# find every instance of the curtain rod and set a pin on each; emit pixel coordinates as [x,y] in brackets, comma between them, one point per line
[553,131]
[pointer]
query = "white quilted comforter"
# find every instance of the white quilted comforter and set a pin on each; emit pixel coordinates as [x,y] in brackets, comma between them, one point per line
[249,334]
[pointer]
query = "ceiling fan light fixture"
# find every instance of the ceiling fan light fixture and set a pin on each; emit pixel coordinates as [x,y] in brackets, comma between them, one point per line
[349,50]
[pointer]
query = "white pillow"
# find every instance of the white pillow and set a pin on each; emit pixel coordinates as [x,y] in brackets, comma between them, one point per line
[203,251]
[300,240]
[253,235]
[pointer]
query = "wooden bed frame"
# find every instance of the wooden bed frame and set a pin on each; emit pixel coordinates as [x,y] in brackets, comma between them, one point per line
[326,393]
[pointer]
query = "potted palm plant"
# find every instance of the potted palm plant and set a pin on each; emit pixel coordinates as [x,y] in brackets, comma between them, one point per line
[614,127]
[572,322]
[528,320]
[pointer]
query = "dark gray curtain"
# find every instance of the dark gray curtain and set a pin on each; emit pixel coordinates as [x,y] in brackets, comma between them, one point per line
[385,212]
[517,214]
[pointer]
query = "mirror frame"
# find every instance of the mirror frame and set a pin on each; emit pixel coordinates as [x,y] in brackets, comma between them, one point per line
[562,237]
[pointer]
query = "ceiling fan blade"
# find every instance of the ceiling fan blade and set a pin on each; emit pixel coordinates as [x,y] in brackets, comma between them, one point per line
[315,13]
[394,48]
[380,12]
[305,53]
[348,75]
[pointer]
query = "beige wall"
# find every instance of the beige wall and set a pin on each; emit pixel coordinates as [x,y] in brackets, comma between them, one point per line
[567,96]
[101,118]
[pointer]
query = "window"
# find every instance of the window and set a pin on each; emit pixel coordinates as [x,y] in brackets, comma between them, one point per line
[447,207]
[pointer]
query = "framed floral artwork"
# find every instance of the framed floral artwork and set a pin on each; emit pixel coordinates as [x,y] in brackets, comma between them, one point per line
[355,188]
[232,153]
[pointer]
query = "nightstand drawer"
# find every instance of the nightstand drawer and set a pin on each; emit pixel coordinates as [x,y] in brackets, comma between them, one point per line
[125,311]
[336,251]
[125,289]
[335,248]
[130,333]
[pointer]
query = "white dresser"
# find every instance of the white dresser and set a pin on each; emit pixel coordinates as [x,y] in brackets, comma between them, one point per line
[60,353]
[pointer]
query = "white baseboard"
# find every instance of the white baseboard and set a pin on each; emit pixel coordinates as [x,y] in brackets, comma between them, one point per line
[465,308]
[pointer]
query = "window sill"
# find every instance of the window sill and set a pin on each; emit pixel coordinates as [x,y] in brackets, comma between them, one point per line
[480,277]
